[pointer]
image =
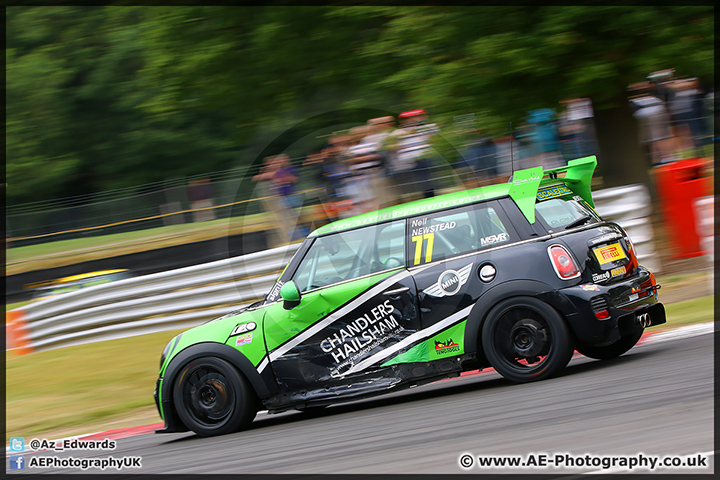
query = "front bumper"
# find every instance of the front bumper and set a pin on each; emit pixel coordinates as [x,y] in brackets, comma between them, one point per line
[601,314]
[172,424]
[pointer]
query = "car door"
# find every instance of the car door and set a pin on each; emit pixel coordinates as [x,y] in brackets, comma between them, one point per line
[357,298]
[448,251]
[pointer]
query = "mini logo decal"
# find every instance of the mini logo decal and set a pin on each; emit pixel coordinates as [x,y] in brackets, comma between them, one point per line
[243,327]
[243,339]
[449,282]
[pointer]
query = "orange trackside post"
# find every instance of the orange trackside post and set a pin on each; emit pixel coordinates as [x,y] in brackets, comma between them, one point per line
[17,332]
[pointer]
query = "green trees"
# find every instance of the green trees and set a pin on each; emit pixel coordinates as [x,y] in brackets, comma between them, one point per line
[503,61]
[74,119]
[105,97]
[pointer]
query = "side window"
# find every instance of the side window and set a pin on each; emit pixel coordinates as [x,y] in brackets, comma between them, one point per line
[444,234]
[346,255]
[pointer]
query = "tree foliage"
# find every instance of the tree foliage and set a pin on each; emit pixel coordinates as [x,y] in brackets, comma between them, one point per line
[105,97]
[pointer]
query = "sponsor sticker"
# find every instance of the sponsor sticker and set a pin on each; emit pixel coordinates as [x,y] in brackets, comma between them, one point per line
[243,339]
[553,192]
[589,288]
[599,277]
[243,327]
[275,291]
[609,253]
[360,337]
[448,346]
[617,271]
[489,240]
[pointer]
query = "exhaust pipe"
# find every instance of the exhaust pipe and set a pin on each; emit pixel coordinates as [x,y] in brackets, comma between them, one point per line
[643,319]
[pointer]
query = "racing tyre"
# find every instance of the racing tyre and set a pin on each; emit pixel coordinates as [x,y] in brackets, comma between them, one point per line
[526,340]
[213,398]
[613,350]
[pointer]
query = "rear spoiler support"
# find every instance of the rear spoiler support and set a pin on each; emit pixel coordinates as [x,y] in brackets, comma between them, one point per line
[578,176]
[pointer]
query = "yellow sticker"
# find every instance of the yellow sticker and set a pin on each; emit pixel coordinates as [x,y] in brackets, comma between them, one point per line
[609,253]
[617,271]
[553,192]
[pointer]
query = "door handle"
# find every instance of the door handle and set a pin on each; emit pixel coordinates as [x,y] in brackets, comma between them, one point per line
[396,291]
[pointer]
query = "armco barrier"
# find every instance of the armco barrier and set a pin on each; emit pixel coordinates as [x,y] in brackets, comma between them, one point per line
[630,207]
[186,297]
[146,304]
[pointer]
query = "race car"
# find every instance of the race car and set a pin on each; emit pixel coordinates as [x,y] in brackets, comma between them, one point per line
[60,286]
[513,276]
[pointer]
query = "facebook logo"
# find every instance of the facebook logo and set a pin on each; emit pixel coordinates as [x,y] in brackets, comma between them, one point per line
[17,444]
[17,462]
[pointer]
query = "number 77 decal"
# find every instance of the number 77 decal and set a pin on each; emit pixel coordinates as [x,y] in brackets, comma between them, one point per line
[418,240]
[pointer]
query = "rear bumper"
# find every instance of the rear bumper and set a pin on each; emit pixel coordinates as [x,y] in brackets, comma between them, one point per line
[601,314]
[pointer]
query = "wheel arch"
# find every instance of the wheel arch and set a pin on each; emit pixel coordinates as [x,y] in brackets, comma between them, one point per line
[205,349]
[513,288]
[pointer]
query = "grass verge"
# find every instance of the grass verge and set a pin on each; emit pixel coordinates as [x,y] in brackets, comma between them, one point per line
[109,384]
[67,389]
[696,310]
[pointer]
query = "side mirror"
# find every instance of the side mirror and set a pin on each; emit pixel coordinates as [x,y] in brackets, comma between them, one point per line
[290,295]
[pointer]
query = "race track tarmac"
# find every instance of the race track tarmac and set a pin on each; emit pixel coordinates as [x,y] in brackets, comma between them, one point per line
[656,400]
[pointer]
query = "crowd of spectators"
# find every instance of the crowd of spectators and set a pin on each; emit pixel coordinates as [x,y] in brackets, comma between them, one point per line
[372,166]
[389,161]
[674,114]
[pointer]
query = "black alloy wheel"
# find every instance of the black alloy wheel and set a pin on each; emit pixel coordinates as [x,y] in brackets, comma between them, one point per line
[526,340]
[213,398]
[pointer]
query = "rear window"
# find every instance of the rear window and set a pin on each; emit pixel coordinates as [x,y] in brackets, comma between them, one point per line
[560,213]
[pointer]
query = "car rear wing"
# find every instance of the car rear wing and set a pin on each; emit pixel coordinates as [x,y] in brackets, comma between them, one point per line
[526,183]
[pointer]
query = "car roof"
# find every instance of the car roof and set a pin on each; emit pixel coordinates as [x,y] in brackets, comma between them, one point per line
[522,187]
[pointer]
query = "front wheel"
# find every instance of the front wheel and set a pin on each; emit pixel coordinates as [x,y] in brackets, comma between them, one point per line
[526,340]
[615,349]
[212,398]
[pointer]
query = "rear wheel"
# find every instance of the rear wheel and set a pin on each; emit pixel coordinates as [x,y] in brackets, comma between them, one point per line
[525,340]
[613,350]
[212,398]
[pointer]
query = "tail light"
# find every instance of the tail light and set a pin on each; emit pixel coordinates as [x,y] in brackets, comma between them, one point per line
[563,262]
